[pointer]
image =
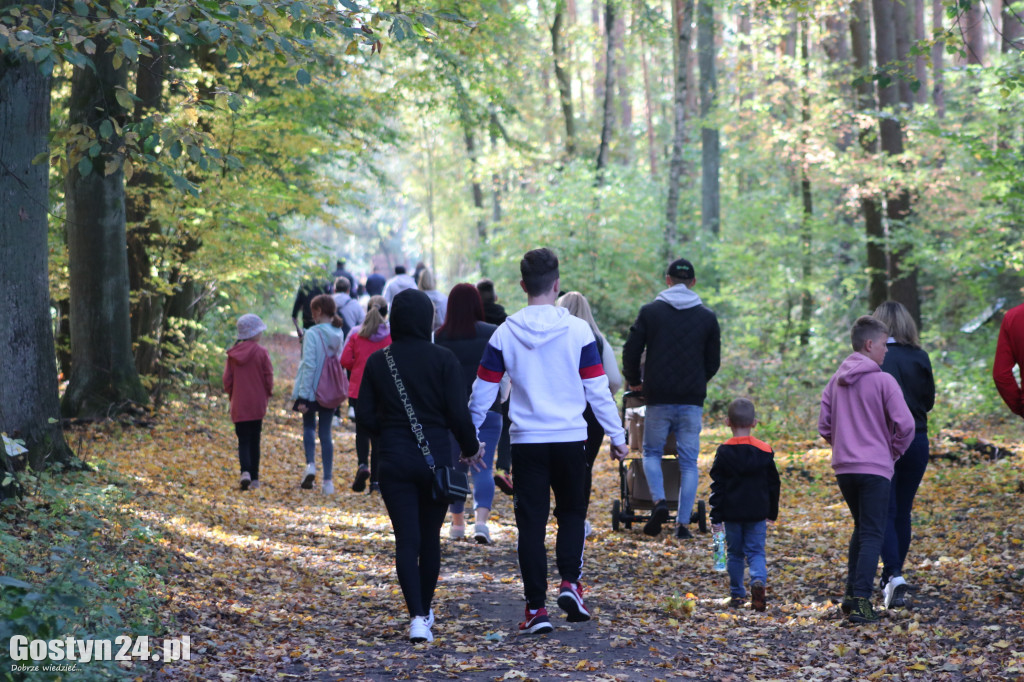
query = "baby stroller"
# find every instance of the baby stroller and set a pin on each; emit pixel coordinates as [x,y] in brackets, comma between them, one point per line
[635,504]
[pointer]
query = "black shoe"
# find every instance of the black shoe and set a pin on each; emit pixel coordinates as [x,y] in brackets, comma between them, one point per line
[683,533]
[735,602]
[848,601]
[659,515]
[862,611]
[374,487]
[359,485]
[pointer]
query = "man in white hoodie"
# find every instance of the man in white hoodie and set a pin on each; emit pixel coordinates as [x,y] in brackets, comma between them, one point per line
[683,344]
[552,359]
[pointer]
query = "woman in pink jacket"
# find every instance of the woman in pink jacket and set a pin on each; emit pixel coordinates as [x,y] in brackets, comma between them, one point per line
[249,381]
[372,335]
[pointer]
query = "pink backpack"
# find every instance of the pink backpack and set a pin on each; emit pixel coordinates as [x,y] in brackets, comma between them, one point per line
[332,389]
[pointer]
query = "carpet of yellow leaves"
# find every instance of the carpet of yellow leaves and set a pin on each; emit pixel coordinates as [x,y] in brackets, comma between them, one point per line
[284,583]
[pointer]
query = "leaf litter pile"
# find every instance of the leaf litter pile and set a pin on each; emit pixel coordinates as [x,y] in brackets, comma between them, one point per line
[283,583]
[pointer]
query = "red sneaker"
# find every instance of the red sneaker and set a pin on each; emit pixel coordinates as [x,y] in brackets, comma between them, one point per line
[536,622]
[570,600]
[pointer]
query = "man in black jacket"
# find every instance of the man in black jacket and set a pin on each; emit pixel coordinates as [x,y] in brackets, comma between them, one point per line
[683,345]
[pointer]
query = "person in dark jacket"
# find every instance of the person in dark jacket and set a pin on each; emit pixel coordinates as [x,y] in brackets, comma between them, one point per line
[308,290]
[340,271]
[434,389]
[683,344]
[744,493]
[494,313]
[375,284]
[466,334]
[909,364]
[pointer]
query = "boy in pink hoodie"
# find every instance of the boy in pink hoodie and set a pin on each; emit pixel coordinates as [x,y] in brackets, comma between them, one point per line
[866,420]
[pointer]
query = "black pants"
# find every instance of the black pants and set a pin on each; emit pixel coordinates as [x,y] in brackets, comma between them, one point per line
[249,446]
[366,446]
[867,496]
[541,468]
[595,438]
[416,519]
[503,458]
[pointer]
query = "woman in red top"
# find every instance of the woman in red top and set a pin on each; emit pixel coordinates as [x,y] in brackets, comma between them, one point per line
[373,334]
[249,381]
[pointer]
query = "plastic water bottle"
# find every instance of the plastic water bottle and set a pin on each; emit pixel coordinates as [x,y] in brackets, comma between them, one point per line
[719,550]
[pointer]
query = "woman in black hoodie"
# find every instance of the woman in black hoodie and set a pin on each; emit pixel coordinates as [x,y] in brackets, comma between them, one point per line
[432,380]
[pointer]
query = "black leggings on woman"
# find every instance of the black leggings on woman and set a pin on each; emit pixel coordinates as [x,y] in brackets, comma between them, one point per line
[416,519]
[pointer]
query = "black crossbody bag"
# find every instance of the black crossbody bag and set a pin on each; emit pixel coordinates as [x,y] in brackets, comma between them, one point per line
[450,485]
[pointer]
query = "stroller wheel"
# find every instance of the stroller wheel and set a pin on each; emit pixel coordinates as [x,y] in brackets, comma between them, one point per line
[615,514]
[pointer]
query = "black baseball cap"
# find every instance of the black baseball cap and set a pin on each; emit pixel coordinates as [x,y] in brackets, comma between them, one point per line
[681,269]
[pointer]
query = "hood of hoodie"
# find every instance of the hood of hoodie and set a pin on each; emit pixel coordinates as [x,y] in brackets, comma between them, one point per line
[679,297]
[535,325]
[244,352]
[412,316]
[854,367]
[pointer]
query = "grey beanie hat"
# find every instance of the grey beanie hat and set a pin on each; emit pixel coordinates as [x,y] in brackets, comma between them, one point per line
[250,325]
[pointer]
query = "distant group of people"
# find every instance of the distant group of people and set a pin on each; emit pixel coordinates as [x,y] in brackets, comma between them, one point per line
[439,382]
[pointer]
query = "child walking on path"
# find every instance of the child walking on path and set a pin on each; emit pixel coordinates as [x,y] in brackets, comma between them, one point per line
[744,493]
[321,342]
[866,420]
[249,381]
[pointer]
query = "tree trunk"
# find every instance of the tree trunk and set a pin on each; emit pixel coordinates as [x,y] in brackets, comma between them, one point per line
[938,53]
[564,80]
[476,189]
[682,14]
[920,61]
[807,219]
[972,26]
[710,149]
[608,118]
[874,230]
[496,184]
[902,25]
[28,370]
[1013,27]
[103,374]
[652,146]
[599,67]
[622,76]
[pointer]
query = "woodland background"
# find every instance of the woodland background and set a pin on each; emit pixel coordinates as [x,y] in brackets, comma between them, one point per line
[811,158]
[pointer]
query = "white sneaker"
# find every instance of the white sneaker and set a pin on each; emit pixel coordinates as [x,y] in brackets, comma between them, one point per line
[894,593]
[309,476]
[587,530]
[430,619]
[328,487]
[419,630]
[457,532]
[482,534]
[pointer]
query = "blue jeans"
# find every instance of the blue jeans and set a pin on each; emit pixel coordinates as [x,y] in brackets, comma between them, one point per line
[909,470]
[685,420]
[867,496]
[483,480]
[310,432]
[745,540]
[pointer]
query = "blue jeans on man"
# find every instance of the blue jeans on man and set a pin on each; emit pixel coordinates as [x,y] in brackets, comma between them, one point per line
[685,420]
[745,542]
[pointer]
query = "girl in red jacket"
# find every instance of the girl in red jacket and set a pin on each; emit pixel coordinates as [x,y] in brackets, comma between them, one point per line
[249,382]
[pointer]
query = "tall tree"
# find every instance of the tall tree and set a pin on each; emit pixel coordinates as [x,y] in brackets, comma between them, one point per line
[103,373]
[563,77]
[608,111]
[807,202]
[682,20]
[652,150]
[1013,26]
[920,61]
[972,26]
[29,404]
[938,54]
[711,212]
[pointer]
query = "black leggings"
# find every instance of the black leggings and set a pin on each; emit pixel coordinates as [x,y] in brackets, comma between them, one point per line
[366,446]
[249,446]
[416,519]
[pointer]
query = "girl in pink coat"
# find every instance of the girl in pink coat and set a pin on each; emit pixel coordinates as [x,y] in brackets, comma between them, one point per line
[249,382]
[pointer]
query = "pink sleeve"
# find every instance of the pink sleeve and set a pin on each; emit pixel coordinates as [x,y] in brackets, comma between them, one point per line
[348,354]
[1002,370]
[825,414]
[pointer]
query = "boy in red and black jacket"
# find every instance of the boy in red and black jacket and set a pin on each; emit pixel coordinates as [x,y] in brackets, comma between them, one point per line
[744,495]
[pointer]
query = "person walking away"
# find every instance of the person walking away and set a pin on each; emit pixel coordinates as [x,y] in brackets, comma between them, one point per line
[340,271]
[910,365]
[1010,354]
[433,394]
[375,284]
[868,424]
[372,335]
[552,360]
[351,313]
[465,334]
[320,344]
[249,382]
[400,282]
[744,497]
[577,304]
[683,344]
[425,282]
[493,312]
[308,290]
